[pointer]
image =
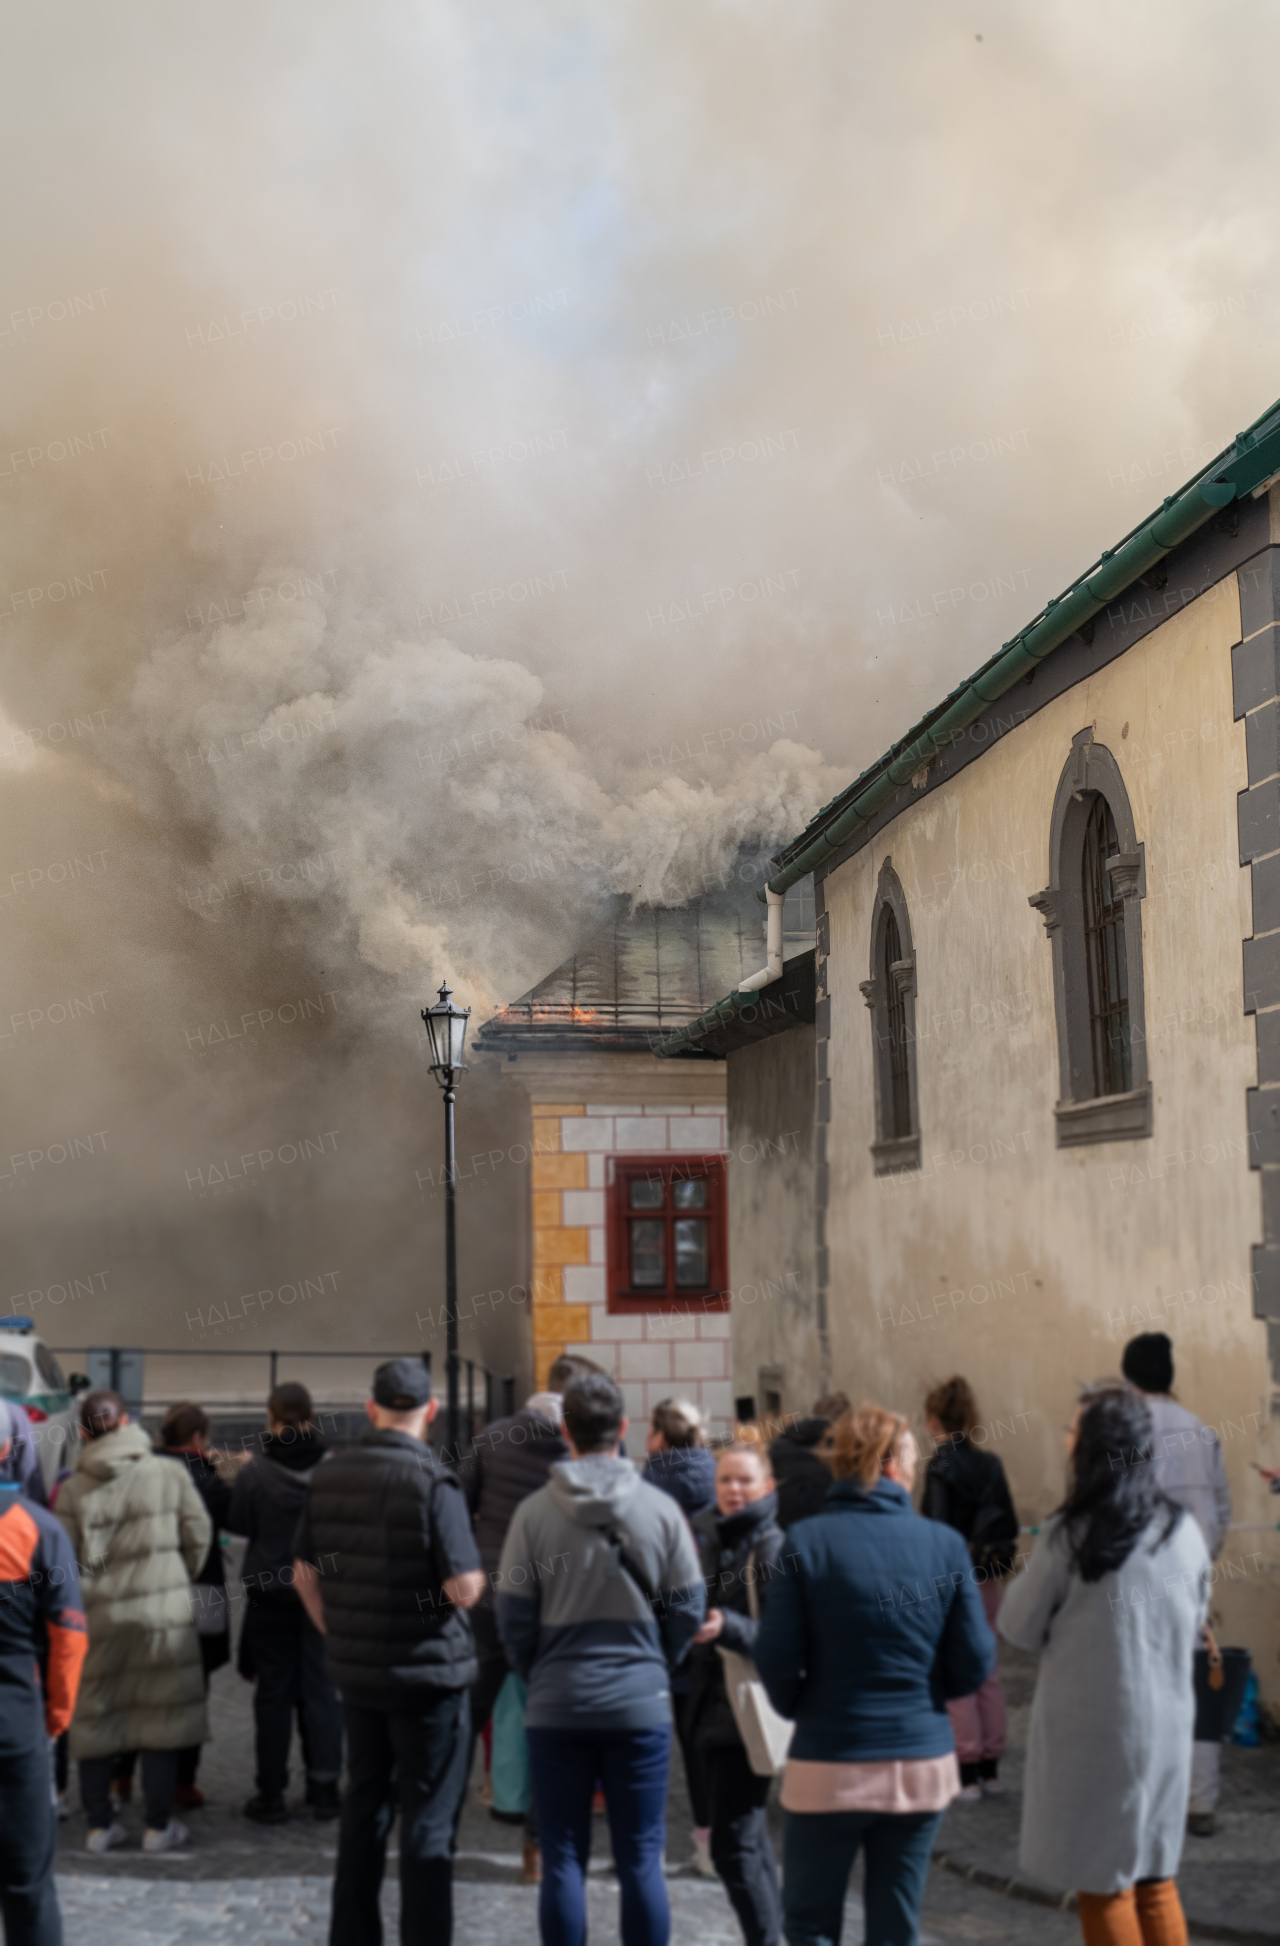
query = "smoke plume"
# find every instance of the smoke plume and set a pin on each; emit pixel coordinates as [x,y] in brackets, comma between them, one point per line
[463,465]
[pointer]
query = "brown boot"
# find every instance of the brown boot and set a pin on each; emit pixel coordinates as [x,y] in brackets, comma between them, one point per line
[532,1873]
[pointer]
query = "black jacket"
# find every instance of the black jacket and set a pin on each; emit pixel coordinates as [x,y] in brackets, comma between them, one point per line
[266,1506]
[726,1543]
[509,1460]
[216,1495]
[803,1476]
[386,1525]
[968,1490]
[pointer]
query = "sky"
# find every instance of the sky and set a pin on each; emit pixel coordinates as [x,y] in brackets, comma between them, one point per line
[467,462]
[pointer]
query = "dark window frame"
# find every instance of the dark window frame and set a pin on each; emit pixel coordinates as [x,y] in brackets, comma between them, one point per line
[620,1171]
[890,995]
[1083,1114]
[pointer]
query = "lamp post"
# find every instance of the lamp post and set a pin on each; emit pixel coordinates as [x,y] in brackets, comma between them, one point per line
[447,1030]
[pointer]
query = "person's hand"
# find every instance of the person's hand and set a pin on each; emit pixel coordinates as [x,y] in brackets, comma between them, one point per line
[711,1627]
[465,1590]
[1270,1474]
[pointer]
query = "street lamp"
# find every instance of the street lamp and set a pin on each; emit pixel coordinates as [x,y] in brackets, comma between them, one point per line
[447,1030]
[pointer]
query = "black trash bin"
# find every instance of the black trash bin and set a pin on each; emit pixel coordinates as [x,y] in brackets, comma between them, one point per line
[1217,1709]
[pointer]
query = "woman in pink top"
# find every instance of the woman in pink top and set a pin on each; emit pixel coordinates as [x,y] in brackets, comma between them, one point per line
[874,1622]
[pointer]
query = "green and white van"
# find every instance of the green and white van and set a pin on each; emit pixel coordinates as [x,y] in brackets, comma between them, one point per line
[31,1376]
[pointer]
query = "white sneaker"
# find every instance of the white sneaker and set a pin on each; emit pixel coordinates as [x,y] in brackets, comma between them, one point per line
[61,1806]
[106,1837]
[173,1835]
[969,1794]
[702,1857]
[992,1787]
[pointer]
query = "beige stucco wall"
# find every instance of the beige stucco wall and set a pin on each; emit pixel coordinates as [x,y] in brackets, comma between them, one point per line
[771,1234]
[1023,1265]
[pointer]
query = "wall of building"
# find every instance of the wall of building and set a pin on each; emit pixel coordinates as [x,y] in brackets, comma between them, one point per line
[774,1337]
[1023,1265]
[671,1107]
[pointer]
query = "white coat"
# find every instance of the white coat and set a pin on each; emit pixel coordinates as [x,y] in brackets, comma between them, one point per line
[1109,1753]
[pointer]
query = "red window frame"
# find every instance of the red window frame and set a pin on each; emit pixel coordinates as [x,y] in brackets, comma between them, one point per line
[620,1172]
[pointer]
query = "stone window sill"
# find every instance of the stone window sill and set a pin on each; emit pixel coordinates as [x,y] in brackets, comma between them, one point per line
[1110,1118]
[894,1156]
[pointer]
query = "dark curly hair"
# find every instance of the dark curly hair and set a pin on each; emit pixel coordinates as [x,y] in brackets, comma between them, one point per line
[953,1405]
[1113,1497]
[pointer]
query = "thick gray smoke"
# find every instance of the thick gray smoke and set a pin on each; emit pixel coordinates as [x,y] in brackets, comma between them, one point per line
[461,465]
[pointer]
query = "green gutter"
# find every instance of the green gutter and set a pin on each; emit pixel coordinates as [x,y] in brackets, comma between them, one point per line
[1251,458]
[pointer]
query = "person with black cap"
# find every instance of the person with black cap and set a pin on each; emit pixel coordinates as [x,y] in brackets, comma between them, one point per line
[385,1566]
[1188,1465]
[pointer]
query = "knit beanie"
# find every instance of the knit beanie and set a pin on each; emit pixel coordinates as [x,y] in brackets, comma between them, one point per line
[1148,1361]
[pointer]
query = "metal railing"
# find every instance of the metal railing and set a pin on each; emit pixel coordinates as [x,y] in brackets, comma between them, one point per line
[113,1369]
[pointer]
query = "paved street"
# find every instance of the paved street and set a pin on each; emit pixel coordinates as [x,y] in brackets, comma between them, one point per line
[122,1911]
[240,1882]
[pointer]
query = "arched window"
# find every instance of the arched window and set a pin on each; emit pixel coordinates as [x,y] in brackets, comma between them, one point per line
[1104,951]
[890,994]
[1092,908]
[898,1119]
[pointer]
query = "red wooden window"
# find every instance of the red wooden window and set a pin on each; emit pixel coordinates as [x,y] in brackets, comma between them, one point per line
[667,1233]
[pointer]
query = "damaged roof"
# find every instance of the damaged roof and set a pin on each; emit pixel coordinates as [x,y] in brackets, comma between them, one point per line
[650,970]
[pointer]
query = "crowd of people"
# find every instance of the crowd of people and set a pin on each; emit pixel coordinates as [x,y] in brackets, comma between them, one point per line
[776,1605]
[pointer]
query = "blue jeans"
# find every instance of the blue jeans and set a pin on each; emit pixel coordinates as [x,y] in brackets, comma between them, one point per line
[819,1850]
[631,1766]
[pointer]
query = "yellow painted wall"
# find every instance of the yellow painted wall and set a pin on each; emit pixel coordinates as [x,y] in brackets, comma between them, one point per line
[1023,1265]
[555,1244]
[586,1107]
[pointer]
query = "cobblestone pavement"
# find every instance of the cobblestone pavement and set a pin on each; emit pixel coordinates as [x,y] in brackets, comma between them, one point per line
[237,1881]
[146,1912]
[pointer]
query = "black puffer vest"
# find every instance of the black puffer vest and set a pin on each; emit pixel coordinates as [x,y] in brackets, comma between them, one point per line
[373,1517]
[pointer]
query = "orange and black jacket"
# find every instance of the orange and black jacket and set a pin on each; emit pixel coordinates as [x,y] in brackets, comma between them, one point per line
[41,1621]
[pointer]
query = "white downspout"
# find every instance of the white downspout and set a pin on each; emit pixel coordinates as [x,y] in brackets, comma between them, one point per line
[773,945]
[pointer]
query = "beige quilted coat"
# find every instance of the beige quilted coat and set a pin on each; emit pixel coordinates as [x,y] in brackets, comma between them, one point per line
[141,1533]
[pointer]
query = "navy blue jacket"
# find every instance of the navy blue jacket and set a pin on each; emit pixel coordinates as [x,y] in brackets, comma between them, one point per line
[687,1473]
[876,1622]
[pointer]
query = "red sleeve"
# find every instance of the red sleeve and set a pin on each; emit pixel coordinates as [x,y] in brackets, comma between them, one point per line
[68,1646]
[56,1580]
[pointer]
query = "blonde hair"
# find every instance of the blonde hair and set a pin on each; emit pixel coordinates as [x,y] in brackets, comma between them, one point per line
[679,1422]
[864,1440]
[750,1449]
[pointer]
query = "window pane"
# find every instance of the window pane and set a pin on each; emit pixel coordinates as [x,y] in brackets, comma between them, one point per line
[1107,966]
[898,1093]
[50,1370]
[648,1256]
[693,1271]
[645,1192]
[15,1377]
[689,1195]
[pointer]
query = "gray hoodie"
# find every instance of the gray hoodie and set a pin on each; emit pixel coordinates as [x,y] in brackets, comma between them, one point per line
[598,1596]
